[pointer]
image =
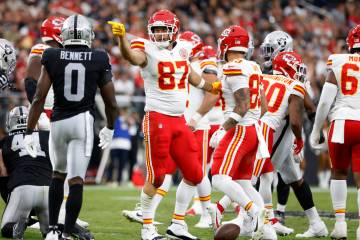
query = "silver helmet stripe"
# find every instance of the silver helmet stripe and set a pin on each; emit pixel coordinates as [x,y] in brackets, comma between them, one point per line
[75,27]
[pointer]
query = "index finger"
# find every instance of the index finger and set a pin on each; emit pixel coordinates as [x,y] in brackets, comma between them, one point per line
[112,23]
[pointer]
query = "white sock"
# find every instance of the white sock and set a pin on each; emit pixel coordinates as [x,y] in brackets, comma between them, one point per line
[338,191]
[251,192]
[184,194]
[204,190]
[146,208]
[161,193]
[231,188]
[225,201]
[312,215]
[266,180]
[280,207]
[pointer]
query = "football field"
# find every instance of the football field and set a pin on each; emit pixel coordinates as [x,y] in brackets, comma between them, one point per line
[103,205]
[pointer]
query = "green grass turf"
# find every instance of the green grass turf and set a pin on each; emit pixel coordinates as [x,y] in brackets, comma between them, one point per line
[103,205]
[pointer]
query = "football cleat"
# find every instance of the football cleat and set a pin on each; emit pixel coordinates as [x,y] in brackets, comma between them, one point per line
[82,233]
[317,229]
[19,228]
[179,231]
[78,221]
[340,231]
[268,232]
[136,215]
[204,222]
[53,234]
[280,216]
[216,216]
[280,229]
[149,232]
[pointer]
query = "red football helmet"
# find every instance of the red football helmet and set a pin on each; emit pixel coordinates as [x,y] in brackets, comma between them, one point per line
[234,38]
[196,42]
[208,52]
[51,29]
[167,19]
[353,38]
[290,64]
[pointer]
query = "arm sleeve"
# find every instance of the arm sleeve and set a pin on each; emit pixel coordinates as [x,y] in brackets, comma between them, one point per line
[298,90]
[30,88]
[106,74]
[328,95]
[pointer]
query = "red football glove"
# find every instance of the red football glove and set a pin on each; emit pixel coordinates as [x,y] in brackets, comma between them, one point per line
[298,145]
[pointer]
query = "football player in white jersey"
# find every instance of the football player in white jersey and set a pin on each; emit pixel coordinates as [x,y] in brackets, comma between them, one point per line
[166,71]
[50,35]
[339,102]
[238,138]
[199,104]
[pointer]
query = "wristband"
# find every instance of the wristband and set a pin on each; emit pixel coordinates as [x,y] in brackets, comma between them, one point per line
[235,116]
[201,84]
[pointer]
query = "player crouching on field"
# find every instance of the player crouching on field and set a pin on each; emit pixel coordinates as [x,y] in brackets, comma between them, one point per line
[29,178]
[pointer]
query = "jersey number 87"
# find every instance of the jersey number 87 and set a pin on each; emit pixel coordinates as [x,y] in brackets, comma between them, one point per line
[166,72]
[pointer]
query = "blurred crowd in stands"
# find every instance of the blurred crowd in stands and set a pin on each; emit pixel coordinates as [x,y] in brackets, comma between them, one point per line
[319,28]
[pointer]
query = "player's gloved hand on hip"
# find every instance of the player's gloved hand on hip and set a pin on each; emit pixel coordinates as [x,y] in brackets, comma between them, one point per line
[30,145]
[118,29]
[4,80]
[216,137]
[298,145]
[105,136]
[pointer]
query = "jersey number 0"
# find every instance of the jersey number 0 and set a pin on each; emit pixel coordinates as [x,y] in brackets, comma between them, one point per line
[78,70]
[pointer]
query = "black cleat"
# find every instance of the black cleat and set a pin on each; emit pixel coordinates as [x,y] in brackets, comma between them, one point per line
[19,229]
[82,233]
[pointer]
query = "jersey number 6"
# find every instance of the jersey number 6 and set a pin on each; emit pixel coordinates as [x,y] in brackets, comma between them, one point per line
[349,84]
[167,71]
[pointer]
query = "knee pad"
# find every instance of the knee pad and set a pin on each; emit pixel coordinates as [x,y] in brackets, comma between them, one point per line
[7,230]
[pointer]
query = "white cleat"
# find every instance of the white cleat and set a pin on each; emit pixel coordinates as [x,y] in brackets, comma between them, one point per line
[216,216]
[340,231]
[317,229]
[52,235]
[248,225]
[358,233]
[204,222]
[281,229]
[149,232]
[35,226]
[136,215]
[269,232]
[179,231]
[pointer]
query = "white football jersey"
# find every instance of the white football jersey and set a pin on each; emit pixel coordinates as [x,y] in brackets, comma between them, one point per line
[278,89]
[216,114]
[37,51]
[165,76]
[346,68]
[195,99]
[242,74]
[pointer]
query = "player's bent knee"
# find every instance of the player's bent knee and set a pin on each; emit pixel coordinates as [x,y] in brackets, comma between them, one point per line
[76,180]
[297,184]
[219,180]
[194,179]
[7,230]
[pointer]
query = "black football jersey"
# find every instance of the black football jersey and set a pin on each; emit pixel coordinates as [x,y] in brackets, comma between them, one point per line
[75,74]
[21,167]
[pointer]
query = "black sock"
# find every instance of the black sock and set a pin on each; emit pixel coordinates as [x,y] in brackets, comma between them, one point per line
[73,207]
[56,197]
[3,188]
[7,230]
[283,191]
[303,195]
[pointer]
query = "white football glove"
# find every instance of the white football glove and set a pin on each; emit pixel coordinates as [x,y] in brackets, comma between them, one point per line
[315,139]
[30,145]
[105,136]
[216,137]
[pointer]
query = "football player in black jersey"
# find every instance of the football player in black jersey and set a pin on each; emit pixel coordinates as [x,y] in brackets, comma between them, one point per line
[29,178]
[75,72]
